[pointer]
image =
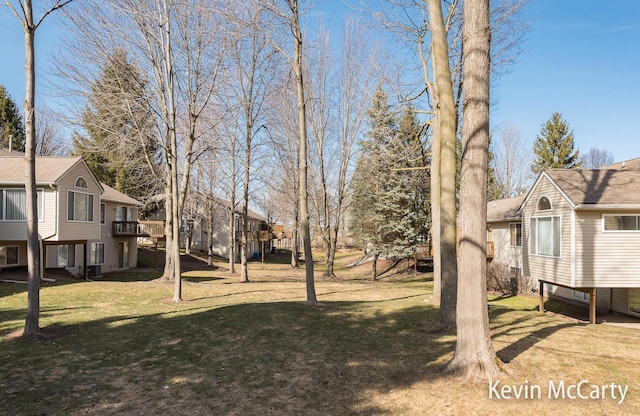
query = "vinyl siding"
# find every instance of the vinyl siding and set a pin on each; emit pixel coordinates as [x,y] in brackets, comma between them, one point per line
[549,269]
[504,252]
[111,243]
[620,300]
[603,296]
[77,230]
[17,230]
[22,253]
[605,258]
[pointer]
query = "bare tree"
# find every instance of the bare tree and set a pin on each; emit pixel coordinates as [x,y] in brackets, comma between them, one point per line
[474,355]
[291,16]
[444,152]
[595,158]
[284,177]
[23,11]
[253,70]
[511,161]
[49,141]
[178,47]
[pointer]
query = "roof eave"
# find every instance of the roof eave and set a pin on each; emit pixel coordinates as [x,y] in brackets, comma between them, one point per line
[506,219]
[607,207]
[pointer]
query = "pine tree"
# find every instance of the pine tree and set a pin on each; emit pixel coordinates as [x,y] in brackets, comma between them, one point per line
[119,144]
[384,217]
[10,122]
[554,146]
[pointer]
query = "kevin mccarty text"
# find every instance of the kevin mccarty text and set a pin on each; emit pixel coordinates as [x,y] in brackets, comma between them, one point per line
[558,390]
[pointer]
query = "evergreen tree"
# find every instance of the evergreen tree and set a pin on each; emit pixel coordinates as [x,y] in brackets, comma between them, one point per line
[10,122]
[387,211]
[120,143]
[554,146]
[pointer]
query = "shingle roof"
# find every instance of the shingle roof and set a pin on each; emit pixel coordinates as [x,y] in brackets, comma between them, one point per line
[114,195]
[504,209]
[631,164]
[48,169]
[598,186]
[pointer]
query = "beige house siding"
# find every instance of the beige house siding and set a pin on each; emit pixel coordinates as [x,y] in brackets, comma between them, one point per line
[112,247]
[620,300]
[17,230]
[605,258]
[77,230]
[22,252]
[504,253]
[550,269]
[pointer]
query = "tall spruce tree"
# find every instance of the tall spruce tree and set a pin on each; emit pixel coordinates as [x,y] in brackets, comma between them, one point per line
[120,147]
[11,125]
[384,218]
[554,146]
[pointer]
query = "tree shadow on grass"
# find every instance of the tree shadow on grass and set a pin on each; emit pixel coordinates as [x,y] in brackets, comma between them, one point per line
[278,358]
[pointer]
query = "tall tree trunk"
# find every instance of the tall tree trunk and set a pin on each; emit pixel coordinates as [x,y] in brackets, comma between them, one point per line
[232,237]
[446,120]
[374,266]
[32,322]
[169,264]
[302,136]
[474,356]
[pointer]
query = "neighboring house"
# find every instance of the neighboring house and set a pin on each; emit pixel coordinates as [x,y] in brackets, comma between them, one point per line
[202,216]
[581,236]
[81,222]
[504,231]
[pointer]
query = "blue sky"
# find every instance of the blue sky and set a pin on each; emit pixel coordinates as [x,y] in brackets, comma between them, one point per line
[581,58]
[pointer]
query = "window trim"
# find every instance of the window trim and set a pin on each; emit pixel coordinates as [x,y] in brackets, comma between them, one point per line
[531,239]
[103,213]
[544,210]
[515,224]
[631,312]
[580,296]
[6,256]
[89,207]
[92,259]
[604,230]
[76,185]
[68,248]
[39,201]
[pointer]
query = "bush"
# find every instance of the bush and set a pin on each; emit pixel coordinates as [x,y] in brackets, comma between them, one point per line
[500,279]
[506,280]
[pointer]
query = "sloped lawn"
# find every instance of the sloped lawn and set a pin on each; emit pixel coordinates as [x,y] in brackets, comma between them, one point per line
[120,347]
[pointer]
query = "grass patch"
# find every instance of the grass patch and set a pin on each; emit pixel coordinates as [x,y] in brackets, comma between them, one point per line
[120,346]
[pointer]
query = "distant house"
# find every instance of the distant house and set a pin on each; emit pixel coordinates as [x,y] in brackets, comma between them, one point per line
[203,216]
[84,227]
[581,233]
[504,231]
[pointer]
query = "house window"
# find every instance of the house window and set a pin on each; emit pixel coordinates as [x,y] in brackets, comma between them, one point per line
[634,301]
[546,236]
[97,253]
[81,182]
[103,213]
[580,295]
[79,206]
[8,255]
[515,230]
[13,204]
[67,256]
[544,204]
[621,222]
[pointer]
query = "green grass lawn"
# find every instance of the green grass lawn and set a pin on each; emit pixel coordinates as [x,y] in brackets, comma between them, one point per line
[120,346]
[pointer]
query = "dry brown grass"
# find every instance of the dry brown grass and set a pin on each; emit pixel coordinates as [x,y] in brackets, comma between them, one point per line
[121,347]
